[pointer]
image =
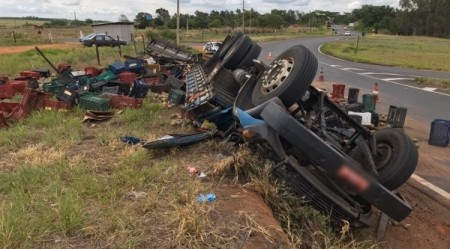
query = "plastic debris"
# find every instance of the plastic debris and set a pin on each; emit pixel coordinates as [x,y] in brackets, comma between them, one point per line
[130,140]
[192,170]
[206,198]
[202,175]
[135,196]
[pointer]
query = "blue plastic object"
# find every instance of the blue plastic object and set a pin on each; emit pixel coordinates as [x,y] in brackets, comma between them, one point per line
[139,89]
[130,140]
[135,66]
[247,120]
[440,133]
[117,67]
[206,198]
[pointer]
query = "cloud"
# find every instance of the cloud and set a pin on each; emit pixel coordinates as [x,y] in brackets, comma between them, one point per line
[72,3]
[110,10]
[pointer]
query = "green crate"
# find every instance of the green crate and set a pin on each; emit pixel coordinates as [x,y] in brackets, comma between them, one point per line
[177,96]
[106,76]
[52,87]
[368,102]
[92,101]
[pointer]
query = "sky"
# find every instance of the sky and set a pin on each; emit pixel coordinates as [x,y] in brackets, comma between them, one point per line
[110,10]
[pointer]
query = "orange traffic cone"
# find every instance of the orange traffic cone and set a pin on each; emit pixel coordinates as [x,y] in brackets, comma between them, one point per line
[321,76]
[269,57]
[376,92]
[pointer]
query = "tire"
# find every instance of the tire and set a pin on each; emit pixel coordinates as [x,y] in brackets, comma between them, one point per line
[227,44]
[299,66]
[252,53]
[396,159]
[236,53]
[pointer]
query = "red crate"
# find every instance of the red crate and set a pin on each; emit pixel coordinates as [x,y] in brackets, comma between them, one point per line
[19,85]
[8,107]
[20,112]
[91,71]
[34,75]
[63,66]
[127,77]
[32,99]
[7,91]
[338,91]
[3,121]
[52,104]
[119,101]
[3,79]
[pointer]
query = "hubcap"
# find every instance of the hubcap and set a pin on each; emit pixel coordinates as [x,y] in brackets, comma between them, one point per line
[276,74]
[384,155]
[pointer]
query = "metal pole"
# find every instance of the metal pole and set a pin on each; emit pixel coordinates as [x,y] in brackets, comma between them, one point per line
[120,49]
[134,43]
[357,44]
[96,51]
[178,22]
[243,12]
[45,58]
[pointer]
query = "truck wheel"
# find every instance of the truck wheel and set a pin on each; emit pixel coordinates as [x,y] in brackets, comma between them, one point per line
[252,53]
[288,76]
[236,52]
[396,158]
[226,45]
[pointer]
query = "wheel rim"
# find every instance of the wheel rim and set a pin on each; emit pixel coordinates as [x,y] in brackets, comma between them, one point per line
[384,155]
[276,74]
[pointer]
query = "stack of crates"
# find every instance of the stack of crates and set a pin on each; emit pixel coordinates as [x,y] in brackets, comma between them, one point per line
[92,101]
[440,133]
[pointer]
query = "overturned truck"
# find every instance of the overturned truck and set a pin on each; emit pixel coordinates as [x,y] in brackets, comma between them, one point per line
[340,168]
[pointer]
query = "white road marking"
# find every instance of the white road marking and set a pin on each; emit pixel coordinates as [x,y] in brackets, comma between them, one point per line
[429,185]
[392,74]
[370,73]
[352,69]
[429,89]
[390,79]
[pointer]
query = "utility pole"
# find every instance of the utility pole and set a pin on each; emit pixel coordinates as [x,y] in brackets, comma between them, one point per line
[187,25]
[243,14]
[250,26]
[178,22]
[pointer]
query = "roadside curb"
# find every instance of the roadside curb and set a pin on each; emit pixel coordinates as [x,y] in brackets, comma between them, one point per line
[429,192]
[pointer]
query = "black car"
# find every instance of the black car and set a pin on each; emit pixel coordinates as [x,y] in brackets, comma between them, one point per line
[101,40]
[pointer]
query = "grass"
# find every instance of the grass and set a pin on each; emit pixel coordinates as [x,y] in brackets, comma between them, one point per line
[79,56]
[433,82]
[409,52]
[67,184]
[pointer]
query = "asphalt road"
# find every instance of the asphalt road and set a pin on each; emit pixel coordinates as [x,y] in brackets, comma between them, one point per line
[396,84]
[396,87]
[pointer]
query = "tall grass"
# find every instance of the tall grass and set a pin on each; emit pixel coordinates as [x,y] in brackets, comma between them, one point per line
[409,52]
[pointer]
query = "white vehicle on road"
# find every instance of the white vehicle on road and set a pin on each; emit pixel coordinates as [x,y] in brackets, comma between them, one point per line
[211,47]
[347,33]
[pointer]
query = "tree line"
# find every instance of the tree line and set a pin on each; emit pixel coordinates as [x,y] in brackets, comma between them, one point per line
[413,17]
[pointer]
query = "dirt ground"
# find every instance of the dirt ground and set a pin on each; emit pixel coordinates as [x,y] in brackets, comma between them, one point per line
[19,49]
[428,226]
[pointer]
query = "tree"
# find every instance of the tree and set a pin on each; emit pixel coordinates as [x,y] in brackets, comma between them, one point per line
[123,18]
[142,20]
[88,21]
[163,15]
